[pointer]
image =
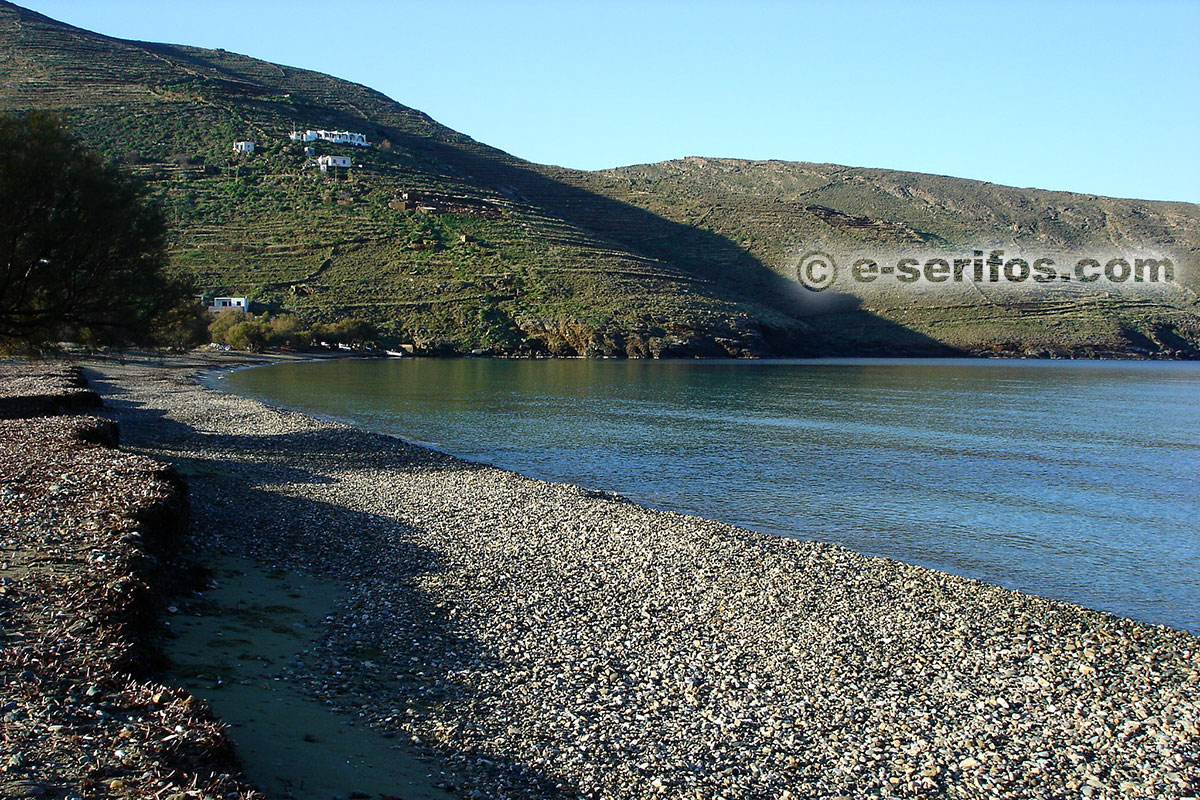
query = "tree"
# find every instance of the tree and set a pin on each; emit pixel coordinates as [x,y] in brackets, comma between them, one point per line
[285,330]
[183,326]
[250,334]
[346,331]
[218,330]
[82,250]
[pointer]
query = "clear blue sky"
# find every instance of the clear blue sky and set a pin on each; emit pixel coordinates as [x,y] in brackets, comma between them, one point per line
[1096,97]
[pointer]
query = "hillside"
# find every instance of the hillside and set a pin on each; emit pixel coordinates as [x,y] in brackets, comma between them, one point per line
[456,246]
[777,211]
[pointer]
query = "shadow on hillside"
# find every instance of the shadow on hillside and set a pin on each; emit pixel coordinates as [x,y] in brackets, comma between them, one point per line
[697,252]
[705,256]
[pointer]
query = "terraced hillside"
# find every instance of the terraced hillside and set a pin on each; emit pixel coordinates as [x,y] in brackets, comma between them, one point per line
[456,246]
[777,211]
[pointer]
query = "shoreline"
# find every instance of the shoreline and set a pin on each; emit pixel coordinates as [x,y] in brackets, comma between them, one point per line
[633,658]
[1167,615]
[202,379]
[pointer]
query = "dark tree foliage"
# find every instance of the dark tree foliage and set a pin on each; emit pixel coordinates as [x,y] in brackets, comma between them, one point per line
[183,325]
[82,250]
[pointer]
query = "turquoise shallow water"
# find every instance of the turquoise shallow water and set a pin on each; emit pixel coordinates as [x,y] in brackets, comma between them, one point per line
[1073,480]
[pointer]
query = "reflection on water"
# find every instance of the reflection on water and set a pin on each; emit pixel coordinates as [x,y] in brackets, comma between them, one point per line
[1075,480]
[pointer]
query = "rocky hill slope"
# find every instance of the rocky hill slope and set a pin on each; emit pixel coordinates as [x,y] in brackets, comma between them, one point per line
[456,246]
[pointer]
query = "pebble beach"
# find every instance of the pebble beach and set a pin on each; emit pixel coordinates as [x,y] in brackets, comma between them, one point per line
[546,640]
[90,547]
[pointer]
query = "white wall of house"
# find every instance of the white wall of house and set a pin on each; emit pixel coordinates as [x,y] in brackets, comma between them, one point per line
[223,303]
[325,162]
[336,137]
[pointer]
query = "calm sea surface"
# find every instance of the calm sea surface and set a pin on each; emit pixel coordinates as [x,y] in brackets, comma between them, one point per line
[1073,480]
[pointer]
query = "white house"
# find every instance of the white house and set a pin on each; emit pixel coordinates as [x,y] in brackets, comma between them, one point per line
[325,162]
[245,148]
[344,137]
[220,304]
[336,137]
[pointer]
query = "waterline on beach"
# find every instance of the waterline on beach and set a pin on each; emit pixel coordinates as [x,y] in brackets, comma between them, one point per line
[1053,478]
